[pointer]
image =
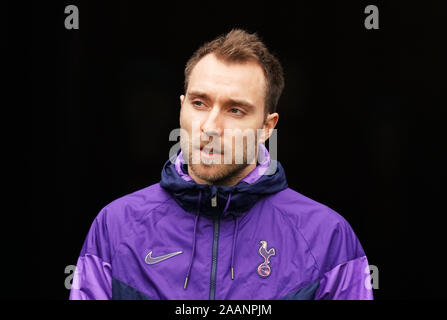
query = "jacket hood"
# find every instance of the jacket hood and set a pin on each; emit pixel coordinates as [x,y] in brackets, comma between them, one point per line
[235,199]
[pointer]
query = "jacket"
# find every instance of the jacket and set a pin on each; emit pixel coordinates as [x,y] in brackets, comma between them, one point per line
[255,240]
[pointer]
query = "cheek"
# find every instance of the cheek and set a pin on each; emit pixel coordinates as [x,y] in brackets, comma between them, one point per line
[241,141]
[242,128]
[187,116]
[189,121]
[185,123]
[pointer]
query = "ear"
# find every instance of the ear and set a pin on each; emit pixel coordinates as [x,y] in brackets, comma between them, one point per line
[269,125]
[182,98]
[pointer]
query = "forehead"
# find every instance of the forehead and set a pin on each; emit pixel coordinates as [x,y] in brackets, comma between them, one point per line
[228,79]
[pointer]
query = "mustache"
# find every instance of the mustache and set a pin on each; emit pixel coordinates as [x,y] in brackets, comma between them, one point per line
[208,148]
[215,145]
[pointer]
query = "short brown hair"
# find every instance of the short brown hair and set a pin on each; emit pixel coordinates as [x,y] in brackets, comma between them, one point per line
[240,46]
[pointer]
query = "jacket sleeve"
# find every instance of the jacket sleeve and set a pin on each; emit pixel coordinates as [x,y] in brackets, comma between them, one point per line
[346,281]
[343,266]
[92,279]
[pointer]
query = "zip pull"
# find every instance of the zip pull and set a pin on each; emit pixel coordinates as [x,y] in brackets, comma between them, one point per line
[214,201]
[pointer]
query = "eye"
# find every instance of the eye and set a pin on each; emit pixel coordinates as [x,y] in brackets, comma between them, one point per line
[236,111]
[198,103]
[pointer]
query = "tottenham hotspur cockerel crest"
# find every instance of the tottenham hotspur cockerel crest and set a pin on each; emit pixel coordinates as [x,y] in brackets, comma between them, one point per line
[264,268]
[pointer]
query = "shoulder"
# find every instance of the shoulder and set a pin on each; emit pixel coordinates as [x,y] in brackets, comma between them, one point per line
[134,206]
[304,210]
[329,236]
[118,218]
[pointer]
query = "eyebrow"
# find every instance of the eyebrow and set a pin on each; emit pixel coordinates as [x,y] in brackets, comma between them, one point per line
[231,101]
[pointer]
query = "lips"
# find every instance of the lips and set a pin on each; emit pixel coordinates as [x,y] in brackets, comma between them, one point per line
[209,150]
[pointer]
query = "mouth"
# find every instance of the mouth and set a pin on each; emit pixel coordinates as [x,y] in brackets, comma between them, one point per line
[209,154]
[209,151]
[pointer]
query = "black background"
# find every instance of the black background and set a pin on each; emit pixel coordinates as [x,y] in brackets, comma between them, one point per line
[361,125]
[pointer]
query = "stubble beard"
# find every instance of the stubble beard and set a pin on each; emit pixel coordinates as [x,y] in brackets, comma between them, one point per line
[219,174]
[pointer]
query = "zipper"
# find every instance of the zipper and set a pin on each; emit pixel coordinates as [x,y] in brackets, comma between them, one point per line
[214,260]
[214,255]
[214,201]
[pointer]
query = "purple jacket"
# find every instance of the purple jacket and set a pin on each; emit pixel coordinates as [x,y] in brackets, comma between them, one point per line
[256,240]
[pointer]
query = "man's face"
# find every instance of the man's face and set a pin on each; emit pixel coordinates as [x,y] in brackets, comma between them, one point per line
[222,97]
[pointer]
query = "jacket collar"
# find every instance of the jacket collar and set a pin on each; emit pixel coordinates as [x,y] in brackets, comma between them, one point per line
[235,199]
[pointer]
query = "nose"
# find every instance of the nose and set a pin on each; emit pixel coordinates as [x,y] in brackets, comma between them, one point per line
[212,125]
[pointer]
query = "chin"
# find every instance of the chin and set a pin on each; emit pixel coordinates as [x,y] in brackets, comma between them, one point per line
[209,172]
[216,173]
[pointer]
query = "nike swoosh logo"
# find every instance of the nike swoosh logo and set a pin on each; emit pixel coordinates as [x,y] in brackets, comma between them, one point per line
[152,260]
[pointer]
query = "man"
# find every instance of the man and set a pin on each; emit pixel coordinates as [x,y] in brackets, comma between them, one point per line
[220,225]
